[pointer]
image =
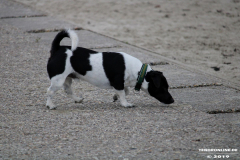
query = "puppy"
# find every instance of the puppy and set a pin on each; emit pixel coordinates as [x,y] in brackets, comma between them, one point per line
[108,70]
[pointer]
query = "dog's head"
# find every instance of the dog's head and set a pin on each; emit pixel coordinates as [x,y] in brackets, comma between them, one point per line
[158,87]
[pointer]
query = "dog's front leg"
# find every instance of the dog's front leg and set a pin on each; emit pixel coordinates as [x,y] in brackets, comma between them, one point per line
[115,97]
[122,98]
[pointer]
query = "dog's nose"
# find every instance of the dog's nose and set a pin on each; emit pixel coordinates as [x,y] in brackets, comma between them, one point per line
[171,101]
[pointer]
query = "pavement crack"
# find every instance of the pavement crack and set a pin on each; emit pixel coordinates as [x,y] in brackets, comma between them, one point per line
[196,85]
[51,30]
[24,16]
[158,63]
[103,47]
[234,110]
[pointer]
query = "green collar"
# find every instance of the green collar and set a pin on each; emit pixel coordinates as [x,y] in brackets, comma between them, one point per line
[141,76]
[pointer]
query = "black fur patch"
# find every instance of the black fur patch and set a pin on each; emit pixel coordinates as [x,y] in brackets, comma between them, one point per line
[56,63]
[80,60]
[114,67]
[57,40]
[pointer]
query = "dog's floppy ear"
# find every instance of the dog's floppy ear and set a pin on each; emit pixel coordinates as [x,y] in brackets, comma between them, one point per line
[156,80]
[155,76]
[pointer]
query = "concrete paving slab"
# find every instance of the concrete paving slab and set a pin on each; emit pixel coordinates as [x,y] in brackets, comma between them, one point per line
[177,76]
[13,9]
[87,39]
[36,23]
[208,98]
[234,119]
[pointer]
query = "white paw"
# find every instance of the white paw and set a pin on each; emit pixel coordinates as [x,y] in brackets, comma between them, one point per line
[51,107]
[78,100]
[128,105]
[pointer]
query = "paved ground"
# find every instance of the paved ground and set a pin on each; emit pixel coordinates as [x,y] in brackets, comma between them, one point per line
[99,128]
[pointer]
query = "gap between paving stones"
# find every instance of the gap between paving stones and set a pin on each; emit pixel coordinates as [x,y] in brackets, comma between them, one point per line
[234,110]
[51,30]
[196,85]
[24,16]
[104,47]
[158,63]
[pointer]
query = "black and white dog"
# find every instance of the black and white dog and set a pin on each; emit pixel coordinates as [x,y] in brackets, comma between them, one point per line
[106,70]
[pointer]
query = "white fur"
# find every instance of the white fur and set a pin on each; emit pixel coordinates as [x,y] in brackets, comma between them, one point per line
[73,36]
[97,75]
[133,66]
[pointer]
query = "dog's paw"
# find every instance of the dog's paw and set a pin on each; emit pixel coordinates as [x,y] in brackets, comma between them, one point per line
[51,107]
[115,98]
[78,100]
[128,105]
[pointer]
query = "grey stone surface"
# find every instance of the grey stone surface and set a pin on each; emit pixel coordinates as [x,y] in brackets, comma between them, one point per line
[87,39]
[33,23]
[9,8]
[99,128]
[208,98]
[177,76]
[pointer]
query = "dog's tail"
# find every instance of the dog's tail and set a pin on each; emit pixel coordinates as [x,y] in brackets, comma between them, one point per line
[65,33]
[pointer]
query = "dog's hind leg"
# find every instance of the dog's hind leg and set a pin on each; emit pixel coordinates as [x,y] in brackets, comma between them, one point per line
[67,87]
[56,84]
[126,91]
